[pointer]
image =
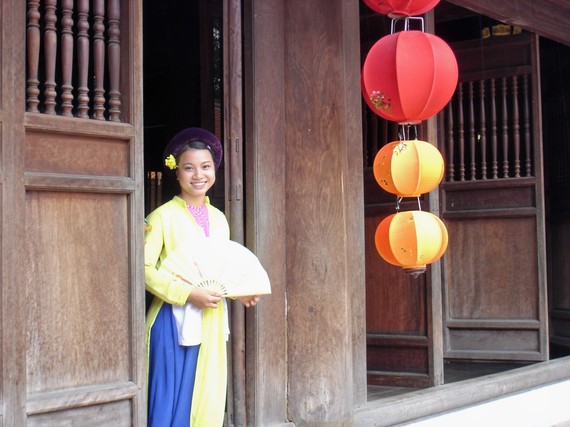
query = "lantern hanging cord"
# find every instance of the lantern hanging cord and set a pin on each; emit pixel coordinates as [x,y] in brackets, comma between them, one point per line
[419,204]
[404,132]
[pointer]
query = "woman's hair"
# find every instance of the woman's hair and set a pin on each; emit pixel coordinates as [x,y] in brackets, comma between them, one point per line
[197,145]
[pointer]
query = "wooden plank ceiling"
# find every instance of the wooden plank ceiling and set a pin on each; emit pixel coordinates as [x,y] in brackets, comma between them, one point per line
[548,18]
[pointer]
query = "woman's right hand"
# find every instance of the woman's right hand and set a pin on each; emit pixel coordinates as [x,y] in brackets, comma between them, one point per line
[204,298]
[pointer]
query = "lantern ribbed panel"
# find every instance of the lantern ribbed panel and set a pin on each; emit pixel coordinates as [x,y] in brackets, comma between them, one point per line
[401,7]
[409,76]
[408,168]
[411,239]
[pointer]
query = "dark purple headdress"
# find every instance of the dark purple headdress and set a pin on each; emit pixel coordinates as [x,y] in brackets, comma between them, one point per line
[194,134]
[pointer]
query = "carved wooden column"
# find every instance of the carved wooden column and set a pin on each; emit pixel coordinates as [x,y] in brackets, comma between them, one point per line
[66,57]
[450,142]
[471,124]
[461,132]
[99,57]
[114,54]
[516,128]
[50,54]
[33,47]
[83,59]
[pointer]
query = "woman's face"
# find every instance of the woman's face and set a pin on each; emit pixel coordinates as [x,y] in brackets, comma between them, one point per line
[196,174]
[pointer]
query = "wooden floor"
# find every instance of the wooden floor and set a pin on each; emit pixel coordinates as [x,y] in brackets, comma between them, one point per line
[453,372]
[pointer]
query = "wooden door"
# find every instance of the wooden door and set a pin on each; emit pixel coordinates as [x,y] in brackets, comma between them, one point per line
[399,322]
[72,214]
[494,271]
[403,342]
[555,67]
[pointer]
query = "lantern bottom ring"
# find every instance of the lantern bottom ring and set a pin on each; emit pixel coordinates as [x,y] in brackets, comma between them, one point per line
[415,271]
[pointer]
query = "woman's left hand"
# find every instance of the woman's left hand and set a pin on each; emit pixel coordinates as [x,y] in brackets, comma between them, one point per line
[249,300]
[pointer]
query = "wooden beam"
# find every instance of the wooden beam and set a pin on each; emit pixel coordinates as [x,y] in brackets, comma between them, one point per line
[548,18]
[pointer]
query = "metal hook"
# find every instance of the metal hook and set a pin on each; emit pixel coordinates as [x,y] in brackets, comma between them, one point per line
[398,200]
[406,23]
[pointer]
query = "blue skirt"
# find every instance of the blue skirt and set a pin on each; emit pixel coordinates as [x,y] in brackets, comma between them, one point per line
[171,375]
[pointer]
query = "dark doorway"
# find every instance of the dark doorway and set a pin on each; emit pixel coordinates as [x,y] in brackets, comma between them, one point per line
[182,86]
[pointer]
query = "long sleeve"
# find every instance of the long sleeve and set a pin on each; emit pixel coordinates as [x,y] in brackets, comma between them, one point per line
[163,286]
[169,225]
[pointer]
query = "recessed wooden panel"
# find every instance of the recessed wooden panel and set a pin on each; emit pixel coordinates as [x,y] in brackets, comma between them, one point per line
[559,238]
[115,414]
[471,198]
[411,359]
[76,273]
[395,301]
[76,154]
[487,340]
[491,269]
[560,325]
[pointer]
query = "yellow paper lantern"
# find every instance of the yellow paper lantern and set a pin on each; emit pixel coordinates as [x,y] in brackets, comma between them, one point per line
[411,240]
[408,168]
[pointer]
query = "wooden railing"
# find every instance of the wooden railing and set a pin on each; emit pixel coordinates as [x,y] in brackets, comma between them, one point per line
[153,190]
[487,129]
[67,45]
[486,134]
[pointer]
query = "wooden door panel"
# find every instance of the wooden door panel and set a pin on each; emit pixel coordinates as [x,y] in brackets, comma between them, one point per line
[491,269]
[72,214]
[555,87]
[397,338]
[559,248]
[494,270]
[78,327]
[396,301]
[79,279]
[116,414]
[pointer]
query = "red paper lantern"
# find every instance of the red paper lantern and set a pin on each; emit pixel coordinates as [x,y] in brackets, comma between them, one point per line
[408,168]
[411,240]
[397,8]
[409,76]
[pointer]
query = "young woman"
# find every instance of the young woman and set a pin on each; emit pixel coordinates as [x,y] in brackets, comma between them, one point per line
[187,373]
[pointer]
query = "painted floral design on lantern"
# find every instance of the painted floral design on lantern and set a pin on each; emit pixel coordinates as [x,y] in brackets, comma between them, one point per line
[399,148]
[378,99]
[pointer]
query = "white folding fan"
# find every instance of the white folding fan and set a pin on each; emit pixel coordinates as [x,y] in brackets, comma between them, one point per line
[221,265]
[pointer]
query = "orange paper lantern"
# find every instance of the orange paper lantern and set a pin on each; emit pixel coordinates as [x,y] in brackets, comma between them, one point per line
[398,8]
[409,76]
[408,168]
[411,240]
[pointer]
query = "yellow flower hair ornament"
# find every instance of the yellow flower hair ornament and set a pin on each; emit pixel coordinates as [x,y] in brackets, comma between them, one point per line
[170,162]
